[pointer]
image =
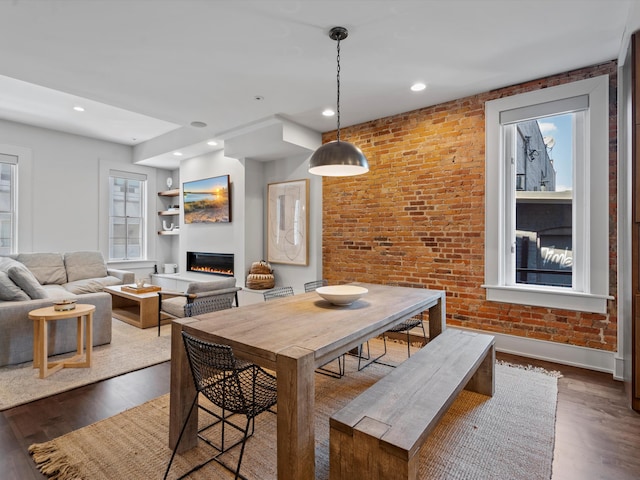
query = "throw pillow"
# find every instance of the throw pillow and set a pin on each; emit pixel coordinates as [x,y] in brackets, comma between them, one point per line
[83,265]
[23,278]
[48,268]
[5,263]
[9,291]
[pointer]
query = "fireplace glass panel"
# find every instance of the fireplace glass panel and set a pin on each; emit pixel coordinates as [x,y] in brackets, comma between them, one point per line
[211,263]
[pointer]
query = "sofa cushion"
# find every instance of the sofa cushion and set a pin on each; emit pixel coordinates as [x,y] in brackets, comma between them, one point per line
[84,265]
[23,278]
[57,292]
[199,287]
[91,285]
[48,268]
[174,306]
[9,291]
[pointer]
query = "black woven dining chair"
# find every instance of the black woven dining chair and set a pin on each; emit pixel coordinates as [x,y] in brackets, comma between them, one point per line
[313,285]
[406,327]
[232,385]
[277,292]
[403,327]
[179,305]
[207,305]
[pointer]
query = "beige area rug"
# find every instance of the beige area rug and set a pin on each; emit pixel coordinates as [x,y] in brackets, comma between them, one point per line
[131,349]
[509,436]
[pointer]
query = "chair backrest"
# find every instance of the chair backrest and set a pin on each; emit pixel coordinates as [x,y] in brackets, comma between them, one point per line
[211,285]
[208,304]
[278,292]
[215,373]
[311,286]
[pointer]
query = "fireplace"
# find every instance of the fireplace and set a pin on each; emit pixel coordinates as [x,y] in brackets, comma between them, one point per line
[212,263]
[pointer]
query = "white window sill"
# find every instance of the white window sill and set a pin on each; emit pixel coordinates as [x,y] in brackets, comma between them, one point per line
[131,263]
[551,298]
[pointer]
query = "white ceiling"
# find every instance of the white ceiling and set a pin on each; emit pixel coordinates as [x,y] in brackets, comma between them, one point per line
[145,69]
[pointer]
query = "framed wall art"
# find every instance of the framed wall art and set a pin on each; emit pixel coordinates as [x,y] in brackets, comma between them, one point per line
[287,222]
[207,200]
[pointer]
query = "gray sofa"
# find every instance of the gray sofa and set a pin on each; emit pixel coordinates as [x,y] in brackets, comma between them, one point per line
[34,280]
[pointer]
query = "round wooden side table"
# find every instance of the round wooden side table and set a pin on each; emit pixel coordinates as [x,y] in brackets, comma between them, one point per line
[82,358]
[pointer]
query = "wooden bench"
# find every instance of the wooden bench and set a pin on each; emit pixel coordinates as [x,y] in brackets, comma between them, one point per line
[378,435]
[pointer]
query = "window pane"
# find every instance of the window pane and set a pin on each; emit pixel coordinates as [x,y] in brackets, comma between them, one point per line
[134,238]
[126,235]
[117,238]
[134,198]
[5,187]
[7,207]
[118,187]
[5,233]
[543,201]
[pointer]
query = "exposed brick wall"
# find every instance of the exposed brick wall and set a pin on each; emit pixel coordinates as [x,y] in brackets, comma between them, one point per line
[417,218]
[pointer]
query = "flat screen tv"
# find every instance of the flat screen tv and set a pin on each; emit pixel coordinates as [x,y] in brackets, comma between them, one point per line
[207,200]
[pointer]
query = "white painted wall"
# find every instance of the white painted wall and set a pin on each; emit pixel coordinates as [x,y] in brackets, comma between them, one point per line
[63,193]
[215,237]
[63,185]
[63,202]
[255,197]
[296,168]
[245,235]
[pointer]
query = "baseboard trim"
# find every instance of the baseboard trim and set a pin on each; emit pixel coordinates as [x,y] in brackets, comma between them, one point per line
[583,357]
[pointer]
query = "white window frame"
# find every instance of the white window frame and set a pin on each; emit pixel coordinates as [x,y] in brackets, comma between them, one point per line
[590,290]
[143,211]
[13,211]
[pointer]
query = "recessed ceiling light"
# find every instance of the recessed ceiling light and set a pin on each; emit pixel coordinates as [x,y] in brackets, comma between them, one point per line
[328,112]
[198,124]
[259,98]
[212,143]
[78,108]
[418,87]
[177,154]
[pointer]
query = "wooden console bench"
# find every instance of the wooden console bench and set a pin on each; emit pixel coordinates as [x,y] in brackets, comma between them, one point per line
[378,434]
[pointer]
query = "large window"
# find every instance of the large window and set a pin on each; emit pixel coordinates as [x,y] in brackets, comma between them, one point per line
[8,203]
[127,216]
[541,194]
[547,197]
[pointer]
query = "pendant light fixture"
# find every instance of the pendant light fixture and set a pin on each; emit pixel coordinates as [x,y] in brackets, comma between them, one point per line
[337,158]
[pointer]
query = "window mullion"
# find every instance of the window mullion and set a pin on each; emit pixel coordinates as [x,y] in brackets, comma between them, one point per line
[508,208]
[581,207]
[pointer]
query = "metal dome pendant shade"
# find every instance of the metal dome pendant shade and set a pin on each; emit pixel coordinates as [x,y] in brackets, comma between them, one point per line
[337,158]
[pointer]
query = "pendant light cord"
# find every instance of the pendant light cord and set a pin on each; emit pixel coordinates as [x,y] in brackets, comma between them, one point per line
[338,89]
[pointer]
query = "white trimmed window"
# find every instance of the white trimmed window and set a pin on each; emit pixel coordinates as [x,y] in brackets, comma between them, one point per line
[127,220]
[547,235]
[8,203]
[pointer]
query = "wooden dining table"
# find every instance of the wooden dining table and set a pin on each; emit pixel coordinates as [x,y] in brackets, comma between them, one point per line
[293,336]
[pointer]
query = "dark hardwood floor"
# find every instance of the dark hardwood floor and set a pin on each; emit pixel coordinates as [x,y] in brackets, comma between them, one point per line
[597,435]
[51,417]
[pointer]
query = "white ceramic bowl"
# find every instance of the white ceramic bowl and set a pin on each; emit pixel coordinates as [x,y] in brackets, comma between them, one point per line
[341,294]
